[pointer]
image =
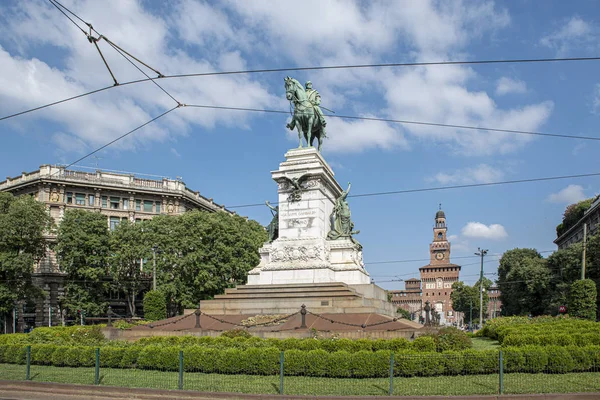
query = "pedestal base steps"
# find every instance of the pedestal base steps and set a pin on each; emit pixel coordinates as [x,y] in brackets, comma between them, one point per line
[335,297]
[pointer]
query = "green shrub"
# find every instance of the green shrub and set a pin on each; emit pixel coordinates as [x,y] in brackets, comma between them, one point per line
[112,357]
[158,357]
[394,345]
[453,362]
[60,356]
[14,338]
[295,362]
[317,363]
[424,343]
[309,344]
[480,362]
[67,335]
[536,359]
[513,359]
[130,357]
[235,333]
[15,354]
[450,338]
[228,361]
[261,361]
[155,305]
[41,354]
[200,359]
[339,364]
[582,358]
[368,364]
[559,359]
[582,299]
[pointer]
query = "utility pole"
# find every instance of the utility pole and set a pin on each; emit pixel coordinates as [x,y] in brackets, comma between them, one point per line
[154,248]
[584,246]
[482,253]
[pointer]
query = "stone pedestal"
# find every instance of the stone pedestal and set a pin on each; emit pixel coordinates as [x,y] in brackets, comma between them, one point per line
[302,253]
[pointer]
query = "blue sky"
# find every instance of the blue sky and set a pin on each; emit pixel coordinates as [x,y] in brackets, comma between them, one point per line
[229,155]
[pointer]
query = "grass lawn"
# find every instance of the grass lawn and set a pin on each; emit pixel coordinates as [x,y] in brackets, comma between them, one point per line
[484,343]
[442,385]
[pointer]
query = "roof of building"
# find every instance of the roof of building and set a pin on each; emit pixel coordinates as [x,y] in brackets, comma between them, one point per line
[413,280]
[439,266]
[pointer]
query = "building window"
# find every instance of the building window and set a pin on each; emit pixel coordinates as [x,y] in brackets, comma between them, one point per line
[125,204]
[440,236]
[147,206]
[104,201]
[114,203]
[69,198]
[138,205]
[91,200]
[80,199]
[157,207]
[114,222]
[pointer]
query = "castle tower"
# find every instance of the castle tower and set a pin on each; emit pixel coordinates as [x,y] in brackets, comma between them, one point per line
[438,276]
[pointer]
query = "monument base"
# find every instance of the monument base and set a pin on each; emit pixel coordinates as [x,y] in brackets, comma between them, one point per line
[281,299]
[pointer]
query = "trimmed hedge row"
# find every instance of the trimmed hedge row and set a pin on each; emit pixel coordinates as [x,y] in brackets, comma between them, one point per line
[319,363]
[499,328]
[424,343]
[59,335]
[551,339]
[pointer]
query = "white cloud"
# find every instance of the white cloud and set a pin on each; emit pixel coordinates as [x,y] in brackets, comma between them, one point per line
[206,36]
[569,195]
[482,173]
[458,243]
[507,85]
[482,231]
[175,152]
[575,33]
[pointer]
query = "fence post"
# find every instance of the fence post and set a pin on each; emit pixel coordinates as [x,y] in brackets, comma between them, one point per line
[391,374]
[97,370]
[180,369]
[281,373]
[500,373]
[28,369]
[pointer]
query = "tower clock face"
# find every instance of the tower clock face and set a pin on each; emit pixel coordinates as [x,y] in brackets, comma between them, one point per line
[439,256]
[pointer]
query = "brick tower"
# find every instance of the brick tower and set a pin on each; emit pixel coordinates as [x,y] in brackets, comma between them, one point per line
[438,276]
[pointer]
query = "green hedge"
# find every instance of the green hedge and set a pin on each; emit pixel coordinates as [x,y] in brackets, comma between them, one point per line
[318,363]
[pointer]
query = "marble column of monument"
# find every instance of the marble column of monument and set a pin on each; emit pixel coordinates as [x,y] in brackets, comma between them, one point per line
[302,253]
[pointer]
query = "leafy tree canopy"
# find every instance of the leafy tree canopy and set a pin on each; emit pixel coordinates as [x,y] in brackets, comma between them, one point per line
[82,250]
[573,213]
[23,222]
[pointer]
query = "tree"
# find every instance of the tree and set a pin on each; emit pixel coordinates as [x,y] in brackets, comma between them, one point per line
[572,214]
[565,268]
[155,306]
[82,250]
[23,222]
[201,254]
[128,250]
[464,297]
[523,280]
[582,299]
[403,313]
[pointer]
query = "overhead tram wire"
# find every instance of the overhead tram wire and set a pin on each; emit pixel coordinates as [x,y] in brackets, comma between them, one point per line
[153,80]
[121,137]
[427,259]
[400,121]
[431,189]
[314,68]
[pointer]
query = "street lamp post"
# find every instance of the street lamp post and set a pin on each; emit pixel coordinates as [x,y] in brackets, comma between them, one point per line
[481,253]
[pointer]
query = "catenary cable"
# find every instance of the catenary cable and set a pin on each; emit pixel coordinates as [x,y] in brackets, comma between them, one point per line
[431,189]
[271,70]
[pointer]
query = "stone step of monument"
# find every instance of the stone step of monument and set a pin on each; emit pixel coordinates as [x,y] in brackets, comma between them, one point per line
[289,290]
[286,295]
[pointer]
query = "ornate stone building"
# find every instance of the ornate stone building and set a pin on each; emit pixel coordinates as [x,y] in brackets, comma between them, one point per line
[118,196]
[437,278]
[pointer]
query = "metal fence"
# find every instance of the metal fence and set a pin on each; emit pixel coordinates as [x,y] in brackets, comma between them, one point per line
[288,373]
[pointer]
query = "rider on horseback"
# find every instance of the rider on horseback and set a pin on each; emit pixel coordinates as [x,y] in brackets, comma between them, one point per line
[315,99]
